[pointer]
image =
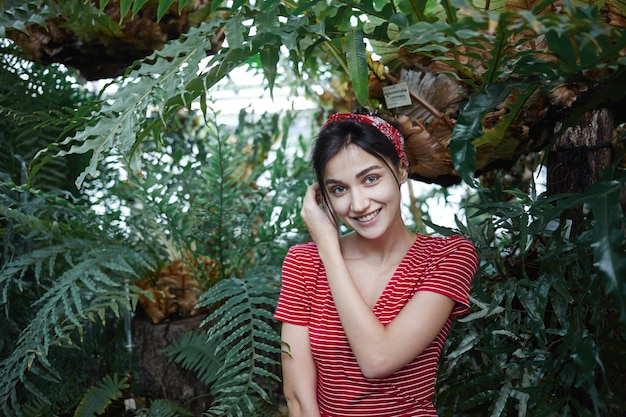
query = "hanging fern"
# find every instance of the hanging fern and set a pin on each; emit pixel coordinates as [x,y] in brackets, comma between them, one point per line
[170,82]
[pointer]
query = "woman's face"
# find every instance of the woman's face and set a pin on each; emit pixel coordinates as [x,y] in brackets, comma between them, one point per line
[363,191]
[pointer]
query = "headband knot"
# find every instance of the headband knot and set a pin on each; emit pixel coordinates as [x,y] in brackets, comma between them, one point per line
[382,125]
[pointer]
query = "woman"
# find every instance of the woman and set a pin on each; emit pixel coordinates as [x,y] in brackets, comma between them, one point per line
[365,315]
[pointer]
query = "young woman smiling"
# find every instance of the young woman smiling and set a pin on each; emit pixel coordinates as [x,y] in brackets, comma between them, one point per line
[365,314]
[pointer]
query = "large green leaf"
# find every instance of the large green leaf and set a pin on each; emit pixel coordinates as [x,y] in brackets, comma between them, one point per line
[268,42]
[356,58]
[469,127]
[164,5]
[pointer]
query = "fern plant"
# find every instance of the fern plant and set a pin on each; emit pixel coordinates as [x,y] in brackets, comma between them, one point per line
[73,268]
[238,356]
[99,397]
[247,231]
[33,113]
[205,191]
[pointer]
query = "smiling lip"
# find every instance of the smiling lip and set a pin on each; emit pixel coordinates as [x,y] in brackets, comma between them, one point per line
[369,216]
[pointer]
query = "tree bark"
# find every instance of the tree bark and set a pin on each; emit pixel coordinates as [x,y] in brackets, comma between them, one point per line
[159,377]
[578,157]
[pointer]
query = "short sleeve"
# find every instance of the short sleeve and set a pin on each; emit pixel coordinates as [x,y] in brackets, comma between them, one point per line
[454,265]
[298,275]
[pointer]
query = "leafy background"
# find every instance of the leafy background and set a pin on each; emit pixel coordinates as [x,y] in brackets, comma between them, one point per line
[100,190]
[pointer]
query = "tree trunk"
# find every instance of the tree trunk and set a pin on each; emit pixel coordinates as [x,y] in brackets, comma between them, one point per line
[159,377]
[578,157]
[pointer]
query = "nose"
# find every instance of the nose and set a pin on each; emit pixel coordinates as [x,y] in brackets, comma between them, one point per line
[359,201]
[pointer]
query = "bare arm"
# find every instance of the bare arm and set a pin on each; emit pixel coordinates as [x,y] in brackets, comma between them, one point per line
[379,350]
[299,372]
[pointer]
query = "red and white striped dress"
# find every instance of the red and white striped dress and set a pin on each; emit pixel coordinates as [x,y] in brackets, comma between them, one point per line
[443,265]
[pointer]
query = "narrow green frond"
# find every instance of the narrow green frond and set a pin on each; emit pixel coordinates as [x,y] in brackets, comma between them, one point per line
[356,60]
[100,396]
[246,355]
[195,352]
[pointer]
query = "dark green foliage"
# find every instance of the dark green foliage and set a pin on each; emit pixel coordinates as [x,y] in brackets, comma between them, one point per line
[65,273]
[34,111]
[546,337]
[238,186]
[240,359]
[99,397]
[513,71]
[164,408]
[208,191]
[547,330]
[244,225]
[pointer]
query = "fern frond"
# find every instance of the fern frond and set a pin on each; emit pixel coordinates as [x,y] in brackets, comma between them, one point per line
[250,347]
[197,353]
[61,312]
[100,396]
[164,80]
[164,408]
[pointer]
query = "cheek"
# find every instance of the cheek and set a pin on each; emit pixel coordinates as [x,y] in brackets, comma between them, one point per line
[339,205]
[392,196]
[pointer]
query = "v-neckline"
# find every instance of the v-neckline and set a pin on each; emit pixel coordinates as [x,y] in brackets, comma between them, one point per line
[395,275]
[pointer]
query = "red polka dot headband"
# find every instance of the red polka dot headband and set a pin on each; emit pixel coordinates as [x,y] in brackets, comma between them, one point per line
[382,125]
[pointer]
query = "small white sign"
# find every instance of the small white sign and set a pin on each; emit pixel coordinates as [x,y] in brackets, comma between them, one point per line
[129,404]
[553,225]
[397,95]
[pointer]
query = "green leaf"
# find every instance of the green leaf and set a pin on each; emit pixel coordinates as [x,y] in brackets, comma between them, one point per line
[356,59]
[138,4]
[469,127]
[235,30]
[125,6]
[164,6]
[103,4]
[608,244]
[99,397]
[269,60]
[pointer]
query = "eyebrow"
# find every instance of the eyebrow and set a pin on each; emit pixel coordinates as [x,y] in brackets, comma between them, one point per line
[358,175]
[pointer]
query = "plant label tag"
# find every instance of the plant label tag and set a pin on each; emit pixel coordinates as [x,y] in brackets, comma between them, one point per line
[553,226]
[129,404]
[397,95]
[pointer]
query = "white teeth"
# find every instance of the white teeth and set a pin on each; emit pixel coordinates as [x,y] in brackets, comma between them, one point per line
[368,217]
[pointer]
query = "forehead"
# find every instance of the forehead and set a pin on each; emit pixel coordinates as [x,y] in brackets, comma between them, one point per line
[349,161]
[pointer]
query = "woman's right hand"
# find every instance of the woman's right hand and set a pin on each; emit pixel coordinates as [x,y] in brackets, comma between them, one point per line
[317,216]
